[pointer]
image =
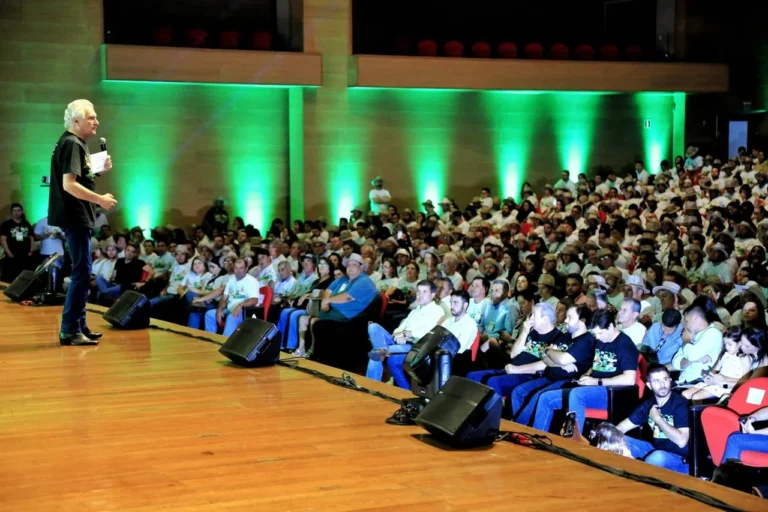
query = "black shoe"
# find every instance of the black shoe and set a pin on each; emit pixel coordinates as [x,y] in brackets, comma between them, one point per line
[92,335]
[77,339]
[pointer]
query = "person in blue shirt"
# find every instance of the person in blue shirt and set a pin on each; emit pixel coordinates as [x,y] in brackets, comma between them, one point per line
[349,295]
[664,421]
[614,364]
[565,362]
[664,338]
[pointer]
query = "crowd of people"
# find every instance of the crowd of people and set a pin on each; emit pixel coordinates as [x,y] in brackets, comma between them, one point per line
[586,284]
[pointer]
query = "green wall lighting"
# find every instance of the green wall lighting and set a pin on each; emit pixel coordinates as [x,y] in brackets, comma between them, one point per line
[658,108]
[574,118]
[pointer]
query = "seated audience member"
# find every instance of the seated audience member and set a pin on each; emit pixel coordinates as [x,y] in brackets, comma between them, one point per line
[627,316]
[178,272]
[127,274]
[496,326]
[614,364]
[666,418]
[294,321]
[565,362]
[479,301]
[241,291]
[285,283]
[348,296]
[704,349]
[664,338]
[464,327]
[731,366]
[750,438]
[419,322]
[609,438]
[525,356]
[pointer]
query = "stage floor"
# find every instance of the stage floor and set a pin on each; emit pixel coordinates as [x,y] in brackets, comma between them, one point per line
[152,420]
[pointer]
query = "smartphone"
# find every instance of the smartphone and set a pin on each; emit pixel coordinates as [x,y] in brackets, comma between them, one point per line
[569,425]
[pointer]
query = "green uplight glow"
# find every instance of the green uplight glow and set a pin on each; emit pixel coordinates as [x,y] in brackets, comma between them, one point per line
[573,116]
[513,119]
[678,130]
[251,130]
[429,127]
[143,157]
[658,109]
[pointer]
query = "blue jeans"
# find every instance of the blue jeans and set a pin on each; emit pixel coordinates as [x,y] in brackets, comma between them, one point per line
[231,322]
[645,451]
[380,338]
[196,314]
[526,396]
[112,291]
[288,325]
[499,380]
[73,316]
[162,298]
[738,442]
[579,400]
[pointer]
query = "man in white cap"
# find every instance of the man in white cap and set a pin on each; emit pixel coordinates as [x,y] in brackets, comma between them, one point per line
[635,288]
[379,196]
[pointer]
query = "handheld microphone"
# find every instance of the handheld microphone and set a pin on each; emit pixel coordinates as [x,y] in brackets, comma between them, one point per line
[103,143]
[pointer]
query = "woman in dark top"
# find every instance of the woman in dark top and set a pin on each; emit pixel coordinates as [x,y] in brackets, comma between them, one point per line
[291,318]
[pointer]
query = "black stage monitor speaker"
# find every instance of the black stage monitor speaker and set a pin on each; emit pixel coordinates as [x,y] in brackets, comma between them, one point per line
[254,343]
[131,311]
[463,414]
[25,286]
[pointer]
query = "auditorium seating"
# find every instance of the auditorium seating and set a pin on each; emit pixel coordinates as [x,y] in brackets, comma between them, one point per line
[196,37]
[229,39]
[427,48]
[584,52]
[261,41]
[453,49]
[507,50]
[481,50]
[559,51]
[533,51]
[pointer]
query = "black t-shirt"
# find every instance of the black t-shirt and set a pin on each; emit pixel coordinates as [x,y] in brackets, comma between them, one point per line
[70,155]
[611,359]
[582,349]
[17,237]
[674,412]
[128,273]
[535,344]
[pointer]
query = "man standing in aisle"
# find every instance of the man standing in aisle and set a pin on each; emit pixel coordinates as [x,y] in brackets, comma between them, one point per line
[71,203]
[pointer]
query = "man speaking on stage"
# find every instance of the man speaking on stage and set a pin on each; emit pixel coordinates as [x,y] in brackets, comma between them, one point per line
[70,207]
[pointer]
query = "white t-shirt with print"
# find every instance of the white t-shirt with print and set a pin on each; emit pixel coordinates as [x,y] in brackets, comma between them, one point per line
[238,291]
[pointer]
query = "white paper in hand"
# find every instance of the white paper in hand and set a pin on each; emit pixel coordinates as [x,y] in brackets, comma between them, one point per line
[98,161]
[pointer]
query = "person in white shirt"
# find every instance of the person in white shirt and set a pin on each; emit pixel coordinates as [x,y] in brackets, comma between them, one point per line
[461,324]
[242,291]
[419,322]
[627,316]
[485,198]
[565,182]
[51,240]
[478,290]
[285,283]
[703,351]
[379,196]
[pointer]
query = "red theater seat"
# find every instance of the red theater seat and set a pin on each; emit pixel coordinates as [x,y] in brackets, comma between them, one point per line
[427,48]
[261,41]
[507,50]
[533,51]
[453,49]
[197,37]
[229,39]
[584,52]
[633,53]
[609,52]
[559,51]
[481,50]
[162,36]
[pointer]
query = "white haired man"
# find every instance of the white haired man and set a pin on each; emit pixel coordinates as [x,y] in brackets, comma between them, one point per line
[71,203]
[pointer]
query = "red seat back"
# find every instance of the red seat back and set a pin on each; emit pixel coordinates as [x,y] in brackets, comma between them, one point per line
[633,53]
[584,52]
[750,396]
[384,303]
[229,39]
[533,51]
[481,50]
[475,346]
[609,52]
[507,50]
[162,36]
[559,51]
[453,49]
[261,41]
[267,292]
[197,37]
[427,48]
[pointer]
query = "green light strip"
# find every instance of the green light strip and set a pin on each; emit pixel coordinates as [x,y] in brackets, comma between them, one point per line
[678,130]
[210,84]
[658,109]
[573,117]
[296,154]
